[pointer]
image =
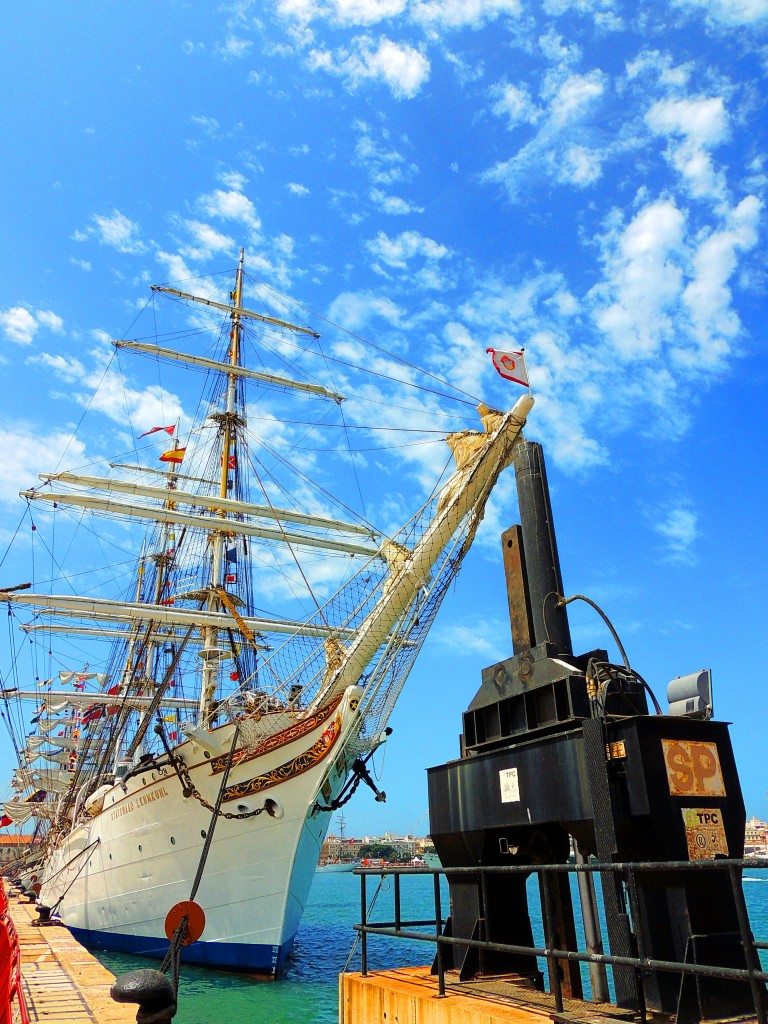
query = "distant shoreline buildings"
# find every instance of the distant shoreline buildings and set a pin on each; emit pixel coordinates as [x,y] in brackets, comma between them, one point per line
[340,848]
[756,838]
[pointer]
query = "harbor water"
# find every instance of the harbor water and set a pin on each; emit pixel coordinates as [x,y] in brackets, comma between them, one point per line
[326,945]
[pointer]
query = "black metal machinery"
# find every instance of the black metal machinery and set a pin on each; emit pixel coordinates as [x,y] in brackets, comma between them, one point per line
[557,745]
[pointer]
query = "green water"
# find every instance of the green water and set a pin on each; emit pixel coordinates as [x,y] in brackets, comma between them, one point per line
[307,993]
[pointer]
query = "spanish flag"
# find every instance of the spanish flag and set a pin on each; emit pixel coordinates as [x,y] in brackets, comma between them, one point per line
[173,455]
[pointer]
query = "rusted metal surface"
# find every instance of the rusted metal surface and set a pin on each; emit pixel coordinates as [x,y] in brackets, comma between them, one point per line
[517,592]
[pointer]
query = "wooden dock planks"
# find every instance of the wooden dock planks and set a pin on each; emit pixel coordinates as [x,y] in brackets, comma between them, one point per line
[62,982]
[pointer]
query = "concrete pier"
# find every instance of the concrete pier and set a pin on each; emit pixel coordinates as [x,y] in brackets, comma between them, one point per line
[411,994]
[61,981]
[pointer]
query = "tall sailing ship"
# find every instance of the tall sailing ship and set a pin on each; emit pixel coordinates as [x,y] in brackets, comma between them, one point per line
[209,748]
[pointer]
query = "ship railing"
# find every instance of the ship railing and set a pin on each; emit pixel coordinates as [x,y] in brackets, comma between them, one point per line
[399,928]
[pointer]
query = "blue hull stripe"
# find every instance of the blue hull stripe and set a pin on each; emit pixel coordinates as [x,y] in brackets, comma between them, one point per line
[232,956]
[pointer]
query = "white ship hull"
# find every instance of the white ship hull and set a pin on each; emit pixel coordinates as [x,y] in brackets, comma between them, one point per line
[116,894]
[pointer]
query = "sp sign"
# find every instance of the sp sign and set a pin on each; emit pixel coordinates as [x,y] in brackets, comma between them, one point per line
[693,768]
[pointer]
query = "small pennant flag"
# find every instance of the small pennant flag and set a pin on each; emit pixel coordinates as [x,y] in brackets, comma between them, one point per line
[511,365]
[173,455]
[231,461]
[154,430]
[5,820]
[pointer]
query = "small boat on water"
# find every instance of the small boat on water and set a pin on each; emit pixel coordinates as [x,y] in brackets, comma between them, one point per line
[189,734]
[328,867]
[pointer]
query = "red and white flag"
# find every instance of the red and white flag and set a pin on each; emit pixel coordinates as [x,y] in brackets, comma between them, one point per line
[154,430]
[511,365]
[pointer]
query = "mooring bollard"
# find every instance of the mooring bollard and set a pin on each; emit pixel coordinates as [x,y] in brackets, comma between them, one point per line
[151,990]
[43,916]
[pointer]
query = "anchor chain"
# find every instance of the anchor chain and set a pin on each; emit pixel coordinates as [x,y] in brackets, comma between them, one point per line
[338,802]
[189,789]
[360,774]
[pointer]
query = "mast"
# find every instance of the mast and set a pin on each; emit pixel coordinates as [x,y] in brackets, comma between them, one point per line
[211,654]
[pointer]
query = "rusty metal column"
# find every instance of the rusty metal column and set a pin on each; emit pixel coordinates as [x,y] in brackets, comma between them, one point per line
[550,623]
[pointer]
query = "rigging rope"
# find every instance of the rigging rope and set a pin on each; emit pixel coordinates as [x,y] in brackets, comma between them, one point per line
[173,956]
[376,348]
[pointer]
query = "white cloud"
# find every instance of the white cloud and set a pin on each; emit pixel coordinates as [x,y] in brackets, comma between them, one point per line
[702,124]
[730,12]
[714,322]
[393,204]
[234,180]
[234,48]
[558,149]
[678,526]
[354,310]
[463,13]
[580,166]
[343,12]
[110,392]
[115,230]
[514,102]
[668,287]
[66,368]
[488,638]
[20,324]
[402,68]
[602,11]
[209,125]
[230,205]
[430,13]
[397,252]
[383,162]
[644,280]
[575,96]
[28,446]
[175,266]
[365,12]
[297,190]
[660,66]
[206,241]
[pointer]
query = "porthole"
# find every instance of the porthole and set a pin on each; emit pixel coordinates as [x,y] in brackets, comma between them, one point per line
[203,833]
[173,841]
[139,847]
[206,753]
[143,782]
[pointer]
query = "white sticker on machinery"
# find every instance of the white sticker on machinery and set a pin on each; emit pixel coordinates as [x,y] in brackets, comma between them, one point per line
[510,787]
[705,833]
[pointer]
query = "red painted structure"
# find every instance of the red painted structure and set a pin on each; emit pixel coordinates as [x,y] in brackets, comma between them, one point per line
[13,1007]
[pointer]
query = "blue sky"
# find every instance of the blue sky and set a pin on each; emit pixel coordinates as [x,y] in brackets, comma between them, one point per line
[584,178]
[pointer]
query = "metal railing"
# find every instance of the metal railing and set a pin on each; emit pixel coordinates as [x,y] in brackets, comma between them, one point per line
[641,964]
